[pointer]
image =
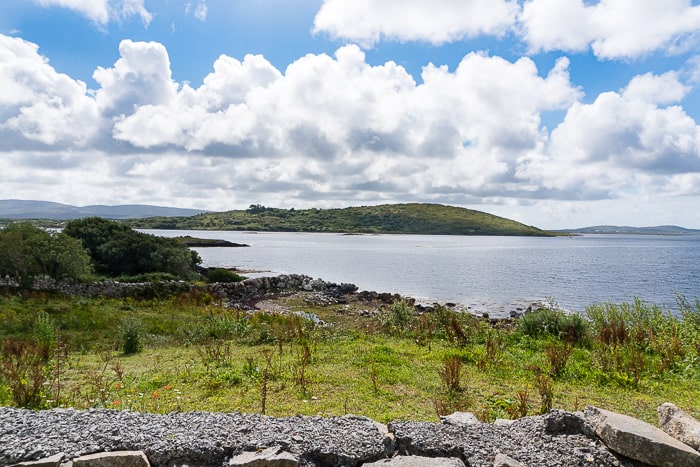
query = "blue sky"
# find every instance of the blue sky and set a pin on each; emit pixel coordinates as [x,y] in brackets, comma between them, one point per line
[556,113]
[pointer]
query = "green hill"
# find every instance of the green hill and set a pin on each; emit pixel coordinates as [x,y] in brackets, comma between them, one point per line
[414,218]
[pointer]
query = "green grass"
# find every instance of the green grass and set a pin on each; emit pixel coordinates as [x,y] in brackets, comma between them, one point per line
[200,356]
[415,218]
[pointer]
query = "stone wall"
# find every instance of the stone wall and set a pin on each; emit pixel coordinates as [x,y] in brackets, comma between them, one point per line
[236,293]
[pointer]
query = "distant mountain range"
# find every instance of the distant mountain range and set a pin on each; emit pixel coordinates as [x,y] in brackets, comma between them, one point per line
[617,229]
[24,209]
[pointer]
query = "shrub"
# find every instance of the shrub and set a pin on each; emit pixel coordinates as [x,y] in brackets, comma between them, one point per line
[553,322]
[131,331]
[635,322]
[45,331]
[222,275]
[28,252]
[398,317]
[118,250]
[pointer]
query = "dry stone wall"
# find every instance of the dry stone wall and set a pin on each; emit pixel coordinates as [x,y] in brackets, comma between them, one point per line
[92,438]
[236,293]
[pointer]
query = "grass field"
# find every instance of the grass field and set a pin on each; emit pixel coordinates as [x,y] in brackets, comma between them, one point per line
[190,353]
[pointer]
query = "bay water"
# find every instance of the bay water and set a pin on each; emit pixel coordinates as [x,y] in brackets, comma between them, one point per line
[486,274]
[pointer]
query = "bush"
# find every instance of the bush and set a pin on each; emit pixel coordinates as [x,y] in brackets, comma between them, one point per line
[28,252]
[398,317]
[131,331]
[222,275]
[118,250]
[556,323]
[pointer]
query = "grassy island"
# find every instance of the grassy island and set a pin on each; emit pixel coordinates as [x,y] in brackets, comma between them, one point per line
[415,218]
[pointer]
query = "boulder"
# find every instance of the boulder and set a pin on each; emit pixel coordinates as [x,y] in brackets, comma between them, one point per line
[113,459]
[502,460]
[460,419]
[270,457]
[639,440]
[679,424]
[503,422]
[389,440]
[417,461]
[560,422]
[53,461]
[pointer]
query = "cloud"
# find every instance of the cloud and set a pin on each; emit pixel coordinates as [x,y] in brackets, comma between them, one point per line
[622,142]
[334,130]
[103,11]
[613,29]
[200,11]
[437,22]
[140,77]
[37,103]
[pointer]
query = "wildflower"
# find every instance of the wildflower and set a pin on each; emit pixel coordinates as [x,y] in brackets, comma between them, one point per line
[167,387]
[155,394]
[115,402]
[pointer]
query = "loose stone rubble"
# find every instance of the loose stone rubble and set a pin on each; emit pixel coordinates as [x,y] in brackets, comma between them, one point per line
[110,438]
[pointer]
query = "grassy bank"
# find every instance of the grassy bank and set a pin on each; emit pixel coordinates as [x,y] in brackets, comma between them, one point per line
[190,353]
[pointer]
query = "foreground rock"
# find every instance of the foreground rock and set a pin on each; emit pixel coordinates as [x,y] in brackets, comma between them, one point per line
[218,439]
[640,440]
[679,424]
[526,441]
[194,438]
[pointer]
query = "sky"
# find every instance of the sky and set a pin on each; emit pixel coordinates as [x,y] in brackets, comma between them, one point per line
[554,113]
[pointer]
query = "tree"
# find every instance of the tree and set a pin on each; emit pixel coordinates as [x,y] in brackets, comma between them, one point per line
[117,250]
[28,252]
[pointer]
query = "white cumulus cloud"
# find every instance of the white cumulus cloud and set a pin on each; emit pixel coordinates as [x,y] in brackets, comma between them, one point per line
[624,141]
[39,104]
[611,28]
[437,22]
[334,130]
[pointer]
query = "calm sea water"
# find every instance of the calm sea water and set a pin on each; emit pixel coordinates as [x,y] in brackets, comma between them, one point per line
[486,273]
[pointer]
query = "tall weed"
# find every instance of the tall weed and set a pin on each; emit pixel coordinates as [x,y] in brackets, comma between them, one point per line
[398,317]
[450,374]
[24,369]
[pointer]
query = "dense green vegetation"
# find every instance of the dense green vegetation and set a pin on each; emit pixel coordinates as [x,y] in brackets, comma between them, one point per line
[118,250]
[28,252]
[91,248]
[189,352]
[391,218]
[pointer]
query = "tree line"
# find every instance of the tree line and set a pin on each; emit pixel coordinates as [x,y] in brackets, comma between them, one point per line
[87,248]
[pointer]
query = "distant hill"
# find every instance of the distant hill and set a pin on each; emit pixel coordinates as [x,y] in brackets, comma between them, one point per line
[616,229]
[389,218]
[24,209]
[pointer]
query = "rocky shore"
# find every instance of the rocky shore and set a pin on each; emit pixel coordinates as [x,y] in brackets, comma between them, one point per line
[67,437]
